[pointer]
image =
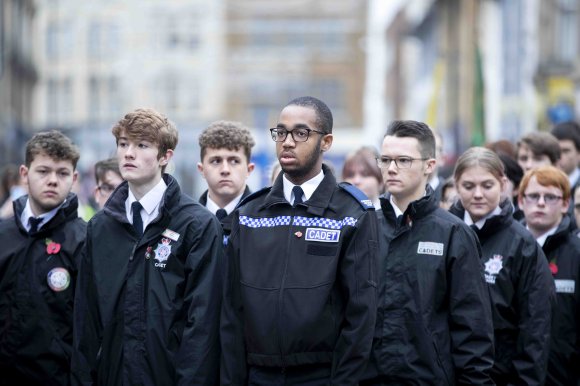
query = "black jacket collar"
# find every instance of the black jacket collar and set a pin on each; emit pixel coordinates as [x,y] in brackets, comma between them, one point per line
[316,204]
[68,211]
[493,224]
[416,209]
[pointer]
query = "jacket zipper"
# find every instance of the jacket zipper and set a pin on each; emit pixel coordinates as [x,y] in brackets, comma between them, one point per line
[281,295]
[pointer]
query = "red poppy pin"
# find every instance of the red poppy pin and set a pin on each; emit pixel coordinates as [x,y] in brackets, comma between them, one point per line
[52,248]
[553,267]
[148,252]
[298,234]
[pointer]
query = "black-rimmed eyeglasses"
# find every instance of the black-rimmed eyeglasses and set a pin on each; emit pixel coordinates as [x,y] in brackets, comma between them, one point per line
[400,162]
[300,134]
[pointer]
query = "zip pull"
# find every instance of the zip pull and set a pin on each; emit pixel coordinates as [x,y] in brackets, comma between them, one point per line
[132,256]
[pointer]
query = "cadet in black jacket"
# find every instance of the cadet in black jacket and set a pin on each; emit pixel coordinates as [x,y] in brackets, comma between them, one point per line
[544,196]
[41,251]
[150,284]
[299,301]
[434,322]
[225,152]
[516,270]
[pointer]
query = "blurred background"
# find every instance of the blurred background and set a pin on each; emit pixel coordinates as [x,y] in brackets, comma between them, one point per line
[474,70]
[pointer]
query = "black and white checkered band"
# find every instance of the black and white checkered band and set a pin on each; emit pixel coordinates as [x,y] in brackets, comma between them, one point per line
[320,222]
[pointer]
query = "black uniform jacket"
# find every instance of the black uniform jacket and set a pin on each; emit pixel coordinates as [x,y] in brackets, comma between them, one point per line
[226,221]
[38,273]
[147,309]
[563,252]
[434,322]
[522,297]
[300,285]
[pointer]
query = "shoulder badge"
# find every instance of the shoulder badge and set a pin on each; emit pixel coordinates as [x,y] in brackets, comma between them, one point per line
[358,195]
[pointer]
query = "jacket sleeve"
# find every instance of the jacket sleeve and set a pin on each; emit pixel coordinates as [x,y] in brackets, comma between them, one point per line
[197,360]
[470,317]
[233,361]
[86,319]
[536,295]
[359,287]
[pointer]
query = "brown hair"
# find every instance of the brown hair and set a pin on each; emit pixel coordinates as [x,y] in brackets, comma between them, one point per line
[104,166]
[542,144]
[546,176]
[479,156]
[54,144]
[148,125]
[365,158]
[226,135]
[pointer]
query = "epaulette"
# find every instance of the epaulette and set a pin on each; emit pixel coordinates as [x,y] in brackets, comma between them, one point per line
[254,195]
[358,195]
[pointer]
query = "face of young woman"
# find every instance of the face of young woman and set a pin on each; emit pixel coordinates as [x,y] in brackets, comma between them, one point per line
[479,192]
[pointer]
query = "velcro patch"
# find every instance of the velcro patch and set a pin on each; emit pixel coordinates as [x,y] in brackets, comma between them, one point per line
[430,248]
[565,286]
[323,235]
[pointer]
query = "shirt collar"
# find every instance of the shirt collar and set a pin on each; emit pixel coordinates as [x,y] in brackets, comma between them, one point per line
[213,207]
[46,217]
[398,212]
[149,201]
[434,182]
[573,177]
[542,239]
[308,187]
[480,223]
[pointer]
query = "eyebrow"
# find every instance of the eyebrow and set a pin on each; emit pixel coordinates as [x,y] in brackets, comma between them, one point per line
[297,126]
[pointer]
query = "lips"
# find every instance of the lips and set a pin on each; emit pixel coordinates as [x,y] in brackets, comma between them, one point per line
[129,166]
[50,193]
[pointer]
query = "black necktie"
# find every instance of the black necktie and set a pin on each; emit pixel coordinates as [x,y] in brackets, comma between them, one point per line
[34,222]
[221,214]
[137,220]
[298,192]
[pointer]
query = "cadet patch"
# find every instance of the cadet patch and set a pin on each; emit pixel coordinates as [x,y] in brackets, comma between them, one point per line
[58,279]
[170,234]
[162,252]
[430,248]
[492,268]
[565,286]
[323,235]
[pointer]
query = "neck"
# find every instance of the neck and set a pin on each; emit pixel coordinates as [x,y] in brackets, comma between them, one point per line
[403,202]
[140,190]
[222,201]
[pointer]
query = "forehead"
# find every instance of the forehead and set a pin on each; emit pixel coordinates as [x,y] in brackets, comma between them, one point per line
[212,152]
[400,146]
[477,174]
[297,115]
[567,144]
[536,187]
[43,160]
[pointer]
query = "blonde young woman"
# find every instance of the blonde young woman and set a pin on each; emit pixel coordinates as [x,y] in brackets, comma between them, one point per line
[516,270]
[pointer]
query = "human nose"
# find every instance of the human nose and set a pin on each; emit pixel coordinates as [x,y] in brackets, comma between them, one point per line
[392,165]
[130,151]
[225,167]
[477,192]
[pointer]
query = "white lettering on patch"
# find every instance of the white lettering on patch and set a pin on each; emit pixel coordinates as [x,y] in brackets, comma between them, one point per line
[430,248]
[565,286]
[323,235]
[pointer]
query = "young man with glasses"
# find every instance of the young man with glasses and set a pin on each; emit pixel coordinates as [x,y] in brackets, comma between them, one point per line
[300,289]
[544,196]
[108,177]
[434,322]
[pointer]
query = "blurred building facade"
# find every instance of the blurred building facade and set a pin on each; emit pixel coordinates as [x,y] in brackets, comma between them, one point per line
[18,76]
[482,70]
[101,59]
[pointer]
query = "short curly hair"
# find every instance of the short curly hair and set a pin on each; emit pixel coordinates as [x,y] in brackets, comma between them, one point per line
[54,144]
[148,125]
[226,135]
